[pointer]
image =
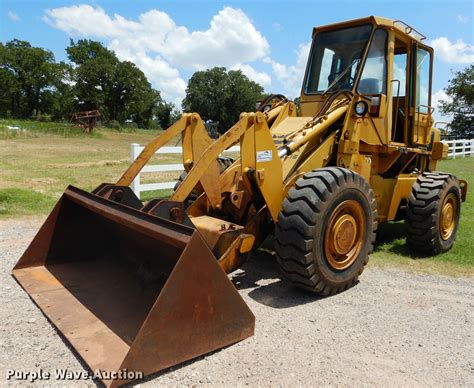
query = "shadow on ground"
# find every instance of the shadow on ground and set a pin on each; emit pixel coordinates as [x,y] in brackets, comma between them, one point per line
[391,237]
[171,369]
[261,274]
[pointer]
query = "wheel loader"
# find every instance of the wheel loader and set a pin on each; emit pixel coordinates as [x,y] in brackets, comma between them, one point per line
[140,287]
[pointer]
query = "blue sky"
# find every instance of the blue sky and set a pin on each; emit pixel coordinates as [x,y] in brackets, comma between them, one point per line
[267,40]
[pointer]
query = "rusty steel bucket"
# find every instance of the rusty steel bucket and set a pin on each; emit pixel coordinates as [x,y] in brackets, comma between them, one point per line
[129,290]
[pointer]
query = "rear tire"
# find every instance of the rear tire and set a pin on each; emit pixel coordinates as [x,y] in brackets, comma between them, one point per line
[326,230]
[432,214]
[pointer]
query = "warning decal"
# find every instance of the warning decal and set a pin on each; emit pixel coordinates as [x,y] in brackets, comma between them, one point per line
[264,156]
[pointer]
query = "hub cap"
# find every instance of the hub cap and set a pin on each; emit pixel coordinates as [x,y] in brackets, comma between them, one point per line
[345,234]
[448,217]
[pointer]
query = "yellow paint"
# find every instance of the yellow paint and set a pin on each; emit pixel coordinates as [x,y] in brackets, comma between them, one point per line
[401,191]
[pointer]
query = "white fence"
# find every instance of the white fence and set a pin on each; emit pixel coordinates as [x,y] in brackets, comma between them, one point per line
[139,187]
[457,148]
[462,147]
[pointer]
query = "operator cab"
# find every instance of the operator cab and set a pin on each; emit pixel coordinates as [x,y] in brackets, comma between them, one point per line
[382,62]
[335,59]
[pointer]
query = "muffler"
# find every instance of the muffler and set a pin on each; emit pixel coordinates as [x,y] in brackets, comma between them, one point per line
[130,291]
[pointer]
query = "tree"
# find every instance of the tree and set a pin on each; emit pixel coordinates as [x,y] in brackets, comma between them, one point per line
[9,91]
[29,77]
[221,96]
[166,114]
[461,104]
[118,88]
[94,66]
[59,100]
[131,95]
[32,83]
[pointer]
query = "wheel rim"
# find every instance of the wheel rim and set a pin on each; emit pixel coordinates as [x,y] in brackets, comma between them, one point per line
[447,222]
[345,234]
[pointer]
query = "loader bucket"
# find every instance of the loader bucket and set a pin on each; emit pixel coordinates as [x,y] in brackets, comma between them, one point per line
[130,291]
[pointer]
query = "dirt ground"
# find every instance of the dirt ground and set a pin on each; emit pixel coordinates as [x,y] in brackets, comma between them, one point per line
[393,328]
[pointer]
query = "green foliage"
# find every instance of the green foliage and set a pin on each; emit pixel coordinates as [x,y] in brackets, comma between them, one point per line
[117,88]
[221,96]
[461,106]
[163,112]
[34,86]
[114,124]
[44,117]
[166,114]
[175,116]
[32,82]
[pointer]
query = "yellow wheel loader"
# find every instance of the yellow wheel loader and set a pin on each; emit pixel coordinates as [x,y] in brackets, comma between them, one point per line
[139,287]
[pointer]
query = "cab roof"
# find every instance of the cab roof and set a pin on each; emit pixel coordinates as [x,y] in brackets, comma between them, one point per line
[378,21]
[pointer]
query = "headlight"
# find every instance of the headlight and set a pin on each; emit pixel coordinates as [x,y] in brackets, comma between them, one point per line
[361,108]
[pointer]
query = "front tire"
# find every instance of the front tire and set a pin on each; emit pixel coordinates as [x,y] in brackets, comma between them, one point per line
[433,212]
[326,230]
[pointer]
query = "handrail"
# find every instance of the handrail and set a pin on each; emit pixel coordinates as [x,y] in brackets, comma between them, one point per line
[431,109]
[409,29]
[396,110]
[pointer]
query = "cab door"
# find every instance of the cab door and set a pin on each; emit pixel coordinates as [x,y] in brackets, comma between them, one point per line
[420,101]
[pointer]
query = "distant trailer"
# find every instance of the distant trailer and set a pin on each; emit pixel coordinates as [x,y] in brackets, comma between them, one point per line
[86,120]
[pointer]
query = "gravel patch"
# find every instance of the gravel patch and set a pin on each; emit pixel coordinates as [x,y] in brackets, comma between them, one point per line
[393,328]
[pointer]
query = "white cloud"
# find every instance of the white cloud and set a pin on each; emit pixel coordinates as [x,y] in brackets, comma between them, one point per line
[291,77]
[440,95]
[261,78]
[85,20]
[458,52]
[231,38]
[464,19]
[158,71]
[13,16]
[160,48]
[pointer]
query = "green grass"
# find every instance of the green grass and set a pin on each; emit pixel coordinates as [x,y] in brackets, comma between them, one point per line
[391,249]
[47,163]
[13,128]
[24,202]
[148,195]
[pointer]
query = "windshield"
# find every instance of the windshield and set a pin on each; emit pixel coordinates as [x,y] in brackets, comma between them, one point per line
[335,58]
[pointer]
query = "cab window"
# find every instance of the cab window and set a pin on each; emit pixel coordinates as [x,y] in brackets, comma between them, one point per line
[335,58]
[374,76]
[326,66]
[423,64]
